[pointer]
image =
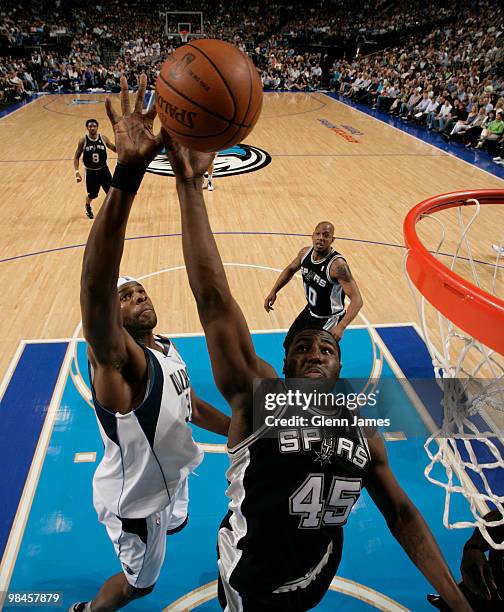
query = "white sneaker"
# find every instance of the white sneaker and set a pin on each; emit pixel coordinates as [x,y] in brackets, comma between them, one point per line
[497,158]
[210,187]
[498,249]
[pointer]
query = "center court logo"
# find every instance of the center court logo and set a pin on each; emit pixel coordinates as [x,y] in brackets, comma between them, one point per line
[240,159]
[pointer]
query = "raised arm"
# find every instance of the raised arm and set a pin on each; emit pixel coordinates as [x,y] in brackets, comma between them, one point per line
[118,361]
[476,570]
[340,271]
[78,153]
[284,278]
[409,528]
[233,358]
[207,417]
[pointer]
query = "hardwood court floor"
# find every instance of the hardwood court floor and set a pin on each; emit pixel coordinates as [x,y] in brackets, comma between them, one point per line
[365,188]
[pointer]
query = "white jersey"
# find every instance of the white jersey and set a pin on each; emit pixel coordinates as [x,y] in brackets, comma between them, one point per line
[150,450]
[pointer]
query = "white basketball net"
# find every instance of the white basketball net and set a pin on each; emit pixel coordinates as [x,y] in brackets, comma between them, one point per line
[471,376]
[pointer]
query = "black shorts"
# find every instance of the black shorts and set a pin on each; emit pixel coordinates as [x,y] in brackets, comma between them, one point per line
[96,179]
[297,600]
[306,318]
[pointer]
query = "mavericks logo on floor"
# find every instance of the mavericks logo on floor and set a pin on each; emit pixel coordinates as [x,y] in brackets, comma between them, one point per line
[238,160]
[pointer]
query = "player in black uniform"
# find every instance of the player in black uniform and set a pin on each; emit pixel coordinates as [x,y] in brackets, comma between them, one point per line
[327,281]
[93,148]
[482,578]
[281,541]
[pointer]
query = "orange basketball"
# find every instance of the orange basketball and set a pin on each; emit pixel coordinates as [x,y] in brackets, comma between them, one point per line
[208,95]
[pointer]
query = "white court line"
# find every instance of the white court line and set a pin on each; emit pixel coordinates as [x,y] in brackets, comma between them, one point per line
[380,601]
[11,367]
[46,340]
[426,417]
[473,166]
[273,330]
[24,507]
[406,385]
[483,414]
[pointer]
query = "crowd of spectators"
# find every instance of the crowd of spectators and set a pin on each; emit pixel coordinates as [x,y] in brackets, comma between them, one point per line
[342,21]
[448,77]
[99,47]
[451,80]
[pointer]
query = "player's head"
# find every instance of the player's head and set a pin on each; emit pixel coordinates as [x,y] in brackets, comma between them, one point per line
[312,353]
[137,310]
[92,127]
[323,237]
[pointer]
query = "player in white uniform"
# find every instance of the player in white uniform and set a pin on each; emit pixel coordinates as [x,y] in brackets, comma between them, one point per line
[140,386]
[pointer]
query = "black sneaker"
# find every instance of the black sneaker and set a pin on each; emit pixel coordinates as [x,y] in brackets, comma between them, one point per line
[89,211]
[78,607]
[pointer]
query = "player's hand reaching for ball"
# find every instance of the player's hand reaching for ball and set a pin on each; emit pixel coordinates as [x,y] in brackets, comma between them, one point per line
[135,141]
[187,164]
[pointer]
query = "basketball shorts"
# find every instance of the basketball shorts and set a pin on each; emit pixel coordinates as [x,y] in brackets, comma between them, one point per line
[140,544]
[297,595]
[305,318]
[96,179]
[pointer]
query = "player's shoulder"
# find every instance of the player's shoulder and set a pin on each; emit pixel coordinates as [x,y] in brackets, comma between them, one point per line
[337,259]
[169,347]
[304,251]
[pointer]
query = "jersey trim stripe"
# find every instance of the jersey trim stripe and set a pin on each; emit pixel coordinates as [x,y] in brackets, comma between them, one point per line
[309,577]
[319,261]
[254,435]
[228,539]
[328,269]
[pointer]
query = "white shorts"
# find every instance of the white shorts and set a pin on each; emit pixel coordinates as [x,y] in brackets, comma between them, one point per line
[140,544]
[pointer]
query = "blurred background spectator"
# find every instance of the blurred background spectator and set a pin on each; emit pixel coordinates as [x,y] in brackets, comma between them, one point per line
[438,64]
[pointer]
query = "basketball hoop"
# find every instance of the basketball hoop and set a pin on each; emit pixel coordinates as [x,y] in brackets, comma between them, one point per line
[462,323]
[184,35]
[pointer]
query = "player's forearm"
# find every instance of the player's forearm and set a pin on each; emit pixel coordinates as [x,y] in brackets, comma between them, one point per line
[282,280]
[352,311]
[415,537]
[207,277]
[105,245]
[76,164]
[208,417]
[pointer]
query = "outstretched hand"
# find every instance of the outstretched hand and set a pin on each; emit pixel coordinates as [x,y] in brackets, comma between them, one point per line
[187,164]
[477,573]
[135,141]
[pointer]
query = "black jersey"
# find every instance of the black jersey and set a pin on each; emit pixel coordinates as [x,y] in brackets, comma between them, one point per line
[95,153]
[326,297]
[289,498]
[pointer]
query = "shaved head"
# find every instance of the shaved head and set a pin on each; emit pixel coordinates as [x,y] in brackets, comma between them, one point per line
[325,225]
[323,237]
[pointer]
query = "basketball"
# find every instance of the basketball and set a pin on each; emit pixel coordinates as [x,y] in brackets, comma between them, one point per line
[208,95]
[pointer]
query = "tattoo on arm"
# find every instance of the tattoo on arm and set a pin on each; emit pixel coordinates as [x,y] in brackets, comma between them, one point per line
[343,272]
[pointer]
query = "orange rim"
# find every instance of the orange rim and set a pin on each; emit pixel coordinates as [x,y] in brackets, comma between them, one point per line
[473,310]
